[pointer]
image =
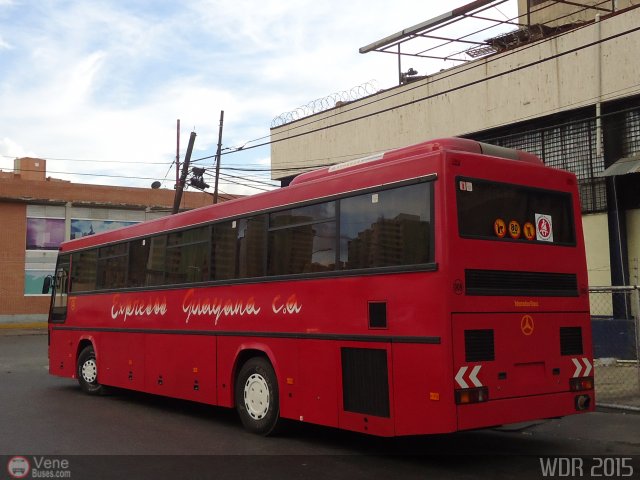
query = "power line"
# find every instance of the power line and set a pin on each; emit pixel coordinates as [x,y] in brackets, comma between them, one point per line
[306,167]
[458,71]
[445,92]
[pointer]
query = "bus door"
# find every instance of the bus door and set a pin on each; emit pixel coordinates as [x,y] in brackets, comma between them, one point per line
[60,290]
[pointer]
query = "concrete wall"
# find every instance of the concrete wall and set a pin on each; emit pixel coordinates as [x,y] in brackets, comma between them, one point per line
[460,101]
[547,12]
[633,235]
[540,79]
[596,234]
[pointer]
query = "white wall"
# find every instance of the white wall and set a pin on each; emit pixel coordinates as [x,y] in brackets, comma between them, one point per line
[459,101]
[596,239]
[633,237]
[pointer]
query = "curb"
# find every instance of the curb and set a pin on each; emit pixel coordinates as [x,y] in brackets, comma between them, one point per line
[23,326]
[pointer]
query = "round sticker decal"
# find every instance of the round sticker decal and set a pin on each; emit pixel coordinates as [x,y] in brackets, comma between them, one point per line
[514,229]
[500,228]
[529,231]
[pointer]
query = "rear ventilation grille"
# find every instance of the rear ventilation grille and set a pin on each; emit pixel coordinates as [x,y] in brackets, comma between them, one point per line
[365,381]
[478,346]
[570,341]
[509,283]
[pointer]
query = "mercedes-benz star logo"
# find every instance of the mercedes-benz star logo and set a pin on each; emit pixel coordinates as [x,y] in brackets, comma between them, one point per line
[526,325]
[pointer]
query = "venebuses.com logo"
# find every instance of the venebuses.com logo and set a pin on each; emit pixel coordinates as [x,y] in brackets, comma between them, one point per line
[38,467]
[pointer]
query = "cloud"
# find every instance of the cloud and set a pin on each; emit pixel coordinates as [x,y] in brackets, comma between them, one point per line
[107,80]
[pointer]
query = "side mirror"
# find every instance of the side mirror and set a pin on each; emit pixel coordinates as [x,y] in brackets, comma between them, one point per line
[46,286]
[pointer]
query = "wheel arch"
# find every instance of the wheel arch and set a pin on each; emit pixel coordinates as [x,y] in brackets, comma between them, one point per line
[84,342]
[246,352]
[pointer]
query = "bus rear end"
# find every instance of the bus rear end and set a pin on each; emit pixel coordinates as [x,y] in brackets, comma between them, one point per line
[520,310]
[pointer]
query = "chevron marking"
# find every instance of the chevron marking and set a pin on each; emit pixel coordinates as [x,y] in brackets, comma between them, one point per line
[473,376]
[460,377]
[578,365]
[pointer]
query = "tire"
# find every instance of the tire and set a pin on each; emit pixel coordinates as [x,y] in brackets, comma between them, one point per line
[87,371]
[257,400]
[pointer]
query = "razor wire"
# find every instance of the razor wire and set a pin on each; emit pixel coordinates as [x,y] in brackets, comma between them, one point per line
[325,103]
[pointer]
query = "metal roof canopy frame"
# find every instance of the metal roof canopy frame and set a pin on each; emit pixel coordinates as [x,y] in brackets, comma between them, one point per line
[432,30]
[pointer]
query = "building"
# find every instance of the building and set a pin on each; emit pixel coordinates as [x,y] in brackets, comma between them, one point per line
[562,84]
[39,212]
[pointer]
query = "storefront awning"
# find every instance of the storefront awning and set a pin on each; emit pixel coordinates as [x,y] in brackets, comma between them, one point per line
[623,166]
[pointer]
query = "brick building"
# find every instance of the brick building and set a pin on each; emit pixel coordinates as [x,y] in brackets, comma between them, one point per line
[39,212]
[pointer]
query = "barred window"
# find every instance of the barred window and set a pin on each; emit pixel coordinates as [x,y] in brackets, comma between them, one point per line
[570,146]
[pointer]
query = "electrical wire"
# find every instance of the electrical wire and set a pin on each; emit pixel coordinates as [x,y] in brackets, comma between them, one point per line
[459,71]
[445,92]
[306,167]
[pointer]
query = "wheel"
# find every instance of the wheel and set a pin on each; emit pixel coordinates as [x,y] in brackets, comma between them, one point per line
[257,396]
[87,370]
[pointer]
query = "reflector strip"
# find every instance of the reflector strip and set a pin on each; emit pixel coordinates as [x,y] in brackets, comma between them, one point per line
[587,367]
[473,377]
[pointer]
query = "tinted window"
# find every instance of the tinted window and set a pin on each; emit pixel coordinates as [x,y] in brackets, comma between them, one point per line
[138,258]
[156,260]
[188,256]
[251,246]
[500,211]
[61,285]
[224,243]
[390,227]
[112,266]
[300,215]
[83,270]
[303,239]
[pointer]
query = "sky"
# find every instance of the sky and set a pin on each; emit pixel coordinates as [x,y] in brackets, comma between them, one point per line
[96,87]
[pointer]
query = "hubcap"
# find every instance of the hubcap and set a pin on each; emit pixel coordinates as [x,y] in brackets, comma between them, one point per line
[89,371]
[256,396]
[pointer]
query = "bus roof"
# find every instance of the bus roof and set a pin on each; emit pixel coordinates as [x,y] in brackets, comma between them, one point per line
[450,144]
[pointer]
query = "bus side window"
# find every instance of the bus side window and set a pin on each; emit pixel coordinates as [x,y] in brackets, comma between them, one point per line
[223,250]
[138,258]
[250,259]
[156,260]
[83,275]
[387,228]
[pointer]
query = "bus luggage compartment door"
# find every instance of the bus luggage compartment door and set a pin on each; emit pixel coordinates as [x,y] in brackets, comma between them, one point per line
[510,355]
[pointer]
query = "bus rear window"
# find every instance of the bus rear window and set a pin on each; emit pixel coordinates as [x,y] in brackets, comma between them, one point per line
[500,211]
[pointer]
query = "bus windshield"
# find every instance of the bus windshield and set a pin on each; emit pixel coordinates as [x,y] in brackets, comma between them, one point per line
[499,211]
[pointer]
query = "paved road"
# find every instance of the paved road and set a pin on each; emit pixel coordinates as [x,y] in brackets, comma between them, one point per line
[48,418]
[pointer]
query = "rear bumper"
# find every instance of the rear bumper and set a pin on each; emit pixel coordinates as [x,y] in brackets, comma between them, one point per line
[514,410]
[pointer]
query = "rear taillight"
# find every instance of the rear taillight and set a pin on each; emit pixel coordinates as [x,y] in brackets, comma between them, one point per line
[472,395]
[580,384]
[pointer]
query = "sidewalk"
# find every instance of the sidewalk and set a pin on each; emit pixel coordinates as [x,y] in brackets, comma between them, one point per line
[23,328]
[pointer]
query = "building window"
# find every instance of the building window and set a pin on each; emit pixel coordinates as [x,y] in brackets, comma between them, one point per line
[569,145]
[44,233]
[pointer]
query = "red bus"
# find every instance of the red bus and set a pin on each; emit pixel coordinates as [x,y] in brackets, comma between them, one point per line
[429,289]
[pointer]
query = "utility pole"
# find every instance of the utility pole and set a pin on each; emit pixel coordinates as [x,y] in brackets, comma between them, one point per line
[215,188]
[178,154]
[183,178]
